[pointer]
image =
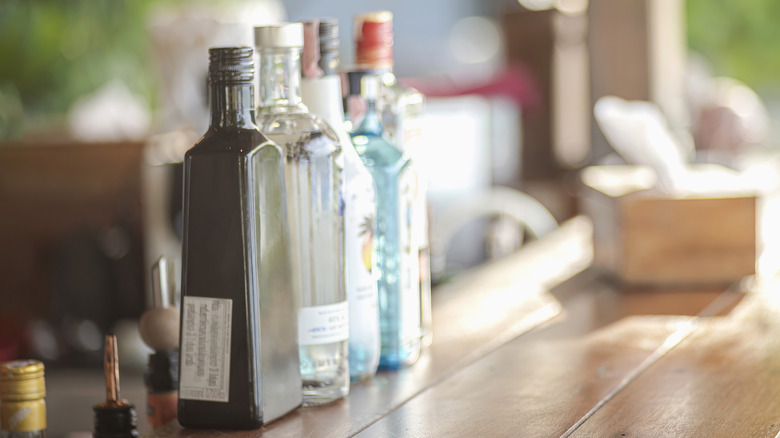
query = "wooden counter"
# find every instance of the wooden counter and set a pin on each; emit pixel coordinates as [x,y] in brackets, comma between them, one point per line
[473,317]
[518,352]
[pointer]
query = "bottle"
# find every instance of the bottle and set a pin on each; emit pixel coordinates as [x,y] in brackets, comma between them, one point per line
[22,403]
[238,306]
[321,92]
[115,417]
[402,109]
[159,327]
[314,182]
[162,387]
[399,290]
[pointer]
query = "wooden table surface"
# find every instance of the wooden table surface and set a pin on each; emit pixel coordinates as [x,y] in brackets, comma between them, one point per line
[518,352]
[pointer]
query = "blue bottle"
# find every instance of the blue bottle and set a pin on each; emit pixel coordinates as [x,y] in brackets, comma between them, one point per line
[398,278]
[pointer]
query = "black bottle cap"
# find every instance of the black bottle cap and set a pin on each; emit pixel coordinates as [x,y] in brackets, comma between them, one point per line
[353,80]
[231,65]
[115,421]
[329,46]
[162,374]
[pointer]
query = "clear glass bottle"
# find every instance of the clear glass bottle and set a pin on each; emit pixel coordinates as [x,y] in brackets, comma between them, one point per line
[22,403]
[314,183]
[238,308]
[398,264]
[321,92]
[402,109]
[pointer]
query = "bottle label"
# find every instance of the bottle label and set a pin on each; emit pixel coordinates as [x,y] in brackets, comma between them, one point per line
[323,324]
[205,349]
[23,416]
[410,255]
[359,251]
[421,234]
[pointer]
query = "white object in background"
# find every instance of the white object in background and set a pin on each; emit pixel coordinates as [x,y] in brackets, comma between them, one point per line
[457,159]
[506,133]
[498,201]
[112,113]
[638,131]
[159,188]
[457,147]
[471,144]
[180,37]
[640,134]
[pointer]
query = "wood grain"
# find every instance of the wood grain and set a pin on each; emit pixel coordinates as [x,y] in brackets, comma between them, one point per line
[612,361]
[544,383]
[530,390]
[644,237]
[472,316]
[687,241]
[720,382]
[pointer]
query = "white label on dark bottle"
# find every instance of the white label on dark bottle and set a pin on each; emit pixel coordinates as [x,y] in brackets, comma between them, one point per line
[323,324]
[205,349]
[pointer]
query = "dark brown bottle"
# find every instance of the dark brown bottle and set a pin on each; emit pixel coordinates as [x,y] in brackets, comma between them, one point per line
[239,363]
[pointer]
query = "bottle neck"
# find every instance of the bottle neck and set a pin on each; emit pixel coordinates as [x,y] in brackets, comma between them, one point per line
[322,96]
[372,120]
[376,69]
[280,80]
[232,105]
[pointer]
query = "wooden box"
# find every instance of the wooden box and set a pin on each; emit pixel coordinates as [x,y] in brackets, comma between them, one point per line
[646,238]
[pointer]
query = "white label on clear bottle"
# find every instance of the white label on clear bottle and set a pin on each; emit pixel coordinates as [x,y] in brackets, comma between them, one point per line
[359,251]
[323,324]
[205,349]
[410,256]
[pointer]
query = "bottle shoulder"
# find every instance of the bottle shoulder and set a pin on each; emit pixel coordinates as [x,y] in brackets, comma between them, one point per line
[302,135]
[374,151]
[233,140]
[293,123]
[393,88]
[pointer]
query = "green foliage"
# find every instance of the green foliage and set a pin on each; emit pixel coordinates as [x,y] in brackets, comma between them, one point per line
[53,51]
[740,38]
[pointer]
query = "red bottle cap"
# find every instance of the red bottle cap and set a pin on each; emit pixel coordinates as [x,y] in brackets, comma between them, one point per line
[374,40]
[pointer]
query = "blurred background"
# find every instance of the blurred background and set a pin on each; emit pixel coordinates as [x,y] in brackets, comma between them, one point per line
[99,99]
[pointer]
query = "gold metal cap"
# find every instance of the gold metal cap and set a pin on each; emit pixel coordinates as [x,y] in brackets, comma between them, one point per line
[22,380]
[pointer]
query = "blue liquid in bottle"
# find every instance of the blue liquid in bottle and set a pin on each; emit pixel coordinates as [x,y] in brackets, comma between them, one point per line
[398,279]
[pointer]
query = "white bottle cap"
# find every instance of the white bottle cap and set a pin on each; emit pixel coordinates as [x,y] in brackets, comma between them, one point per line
[281,35]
